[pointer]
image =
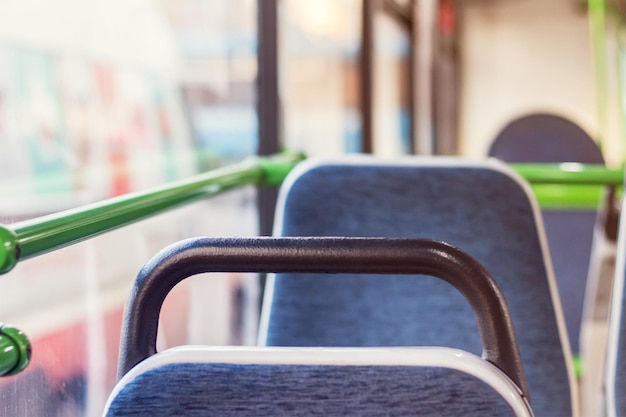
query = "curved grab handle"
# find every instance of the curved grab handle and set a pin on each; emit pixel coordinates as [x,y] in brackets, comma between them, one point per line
[15,350]
[321,255]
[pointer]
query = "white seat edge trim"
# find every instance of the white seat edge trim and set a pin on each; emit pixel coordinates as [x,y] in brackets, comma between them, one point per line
[615,319]
[419,356]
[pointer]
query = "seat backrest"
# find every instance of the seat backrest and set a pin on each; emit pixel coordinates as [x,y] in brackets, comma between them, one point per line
[481,207]
[615,371]
[549,138]
[251,382]
[314,381]
[545,138]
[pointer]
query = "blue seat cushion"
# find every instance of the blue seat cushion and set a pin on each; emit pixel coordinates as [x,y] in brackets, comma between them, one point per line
[242,390]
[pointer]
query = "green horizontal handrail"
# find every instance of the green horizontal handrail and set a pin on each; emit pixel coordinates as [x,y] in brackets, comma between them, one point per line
[570,173]
[570,186]
[30,238]
[566,185]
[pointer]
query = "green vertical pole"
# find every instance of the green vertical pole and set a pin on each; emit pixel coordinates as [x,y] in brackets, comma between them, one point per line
[597,26]
[621,81]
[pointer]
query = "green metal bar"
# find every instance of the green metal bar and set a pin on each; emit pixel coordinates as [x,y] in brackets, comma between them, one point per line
[24,240]
[570,173]
[15,350]
[597,28]
[570,186]
[568,197]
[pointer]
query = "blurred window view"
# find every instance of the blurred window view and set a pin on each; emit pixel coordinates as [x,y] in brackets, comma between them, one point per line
[217,46]
[100,98]
[319,60]
[392,89]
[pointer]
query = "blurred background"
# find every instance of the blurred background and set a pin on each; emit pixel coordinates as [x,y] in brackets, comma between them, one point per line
[102,98]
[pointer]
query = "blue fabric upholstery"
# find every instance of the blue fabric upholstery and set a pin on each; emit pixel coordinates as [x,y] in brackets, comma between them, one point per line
[481,210]
[223,390]
[548,138]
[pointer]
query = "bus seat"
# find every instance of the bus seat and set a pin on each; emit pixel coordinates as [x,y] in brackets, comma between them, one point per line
[483,208]
[196,381]
[306,381]
[549,138]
